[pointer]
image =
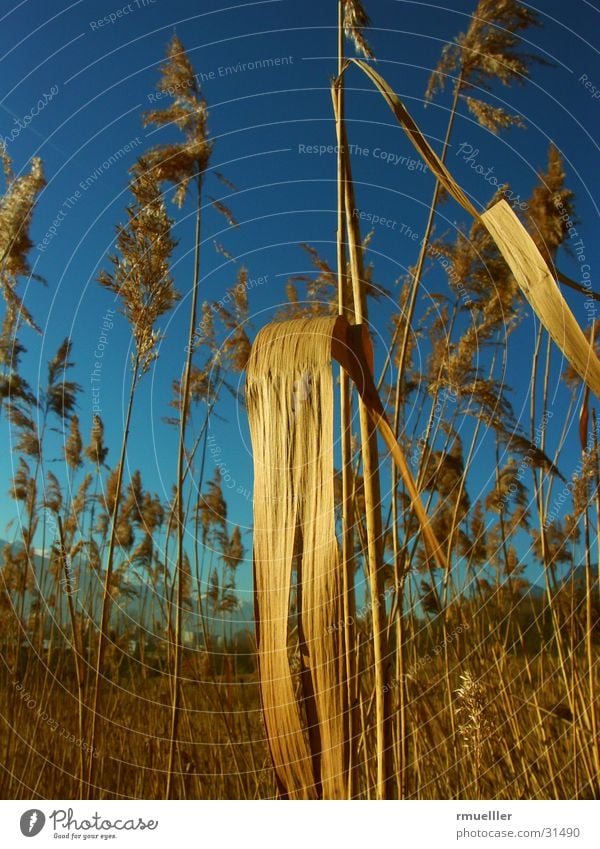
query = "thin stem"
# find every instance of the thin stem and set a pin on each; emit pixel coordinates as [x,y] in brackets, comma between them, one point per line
[589,615]
[106,598]
[373,519]
[345,425]
[185,402]
[78,657]
[424,245]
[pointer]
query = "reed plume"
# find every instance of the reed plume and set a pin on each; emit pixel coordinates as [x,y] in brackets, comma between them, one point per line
[142,283]
[16,212]
[182,164]
[490,50]
[354,21]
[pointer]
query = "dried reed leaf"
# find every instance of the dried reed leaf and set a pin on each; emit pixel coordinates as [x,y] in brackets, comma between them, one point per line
[517,247]
[411,128]
[350,347]
[540,289]
[290,410]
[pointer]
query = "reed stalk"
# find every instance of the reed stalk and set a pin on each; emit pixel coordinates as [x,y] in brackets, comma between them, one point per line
[95,706]
[345,309]
[183,417]
[384,748]
[77,651]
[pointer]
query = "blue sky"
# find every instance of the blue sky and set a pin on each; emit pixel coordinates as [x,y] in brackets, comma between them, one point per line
[94,64]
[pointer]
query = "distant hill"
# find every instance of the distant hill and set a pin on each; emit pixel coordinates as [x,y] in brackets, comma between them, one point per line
[138,605]
[576,574]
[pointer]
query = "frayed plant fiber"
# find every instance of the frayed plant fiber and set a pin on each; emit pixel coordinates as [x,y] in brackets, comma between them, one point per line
[290,402]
